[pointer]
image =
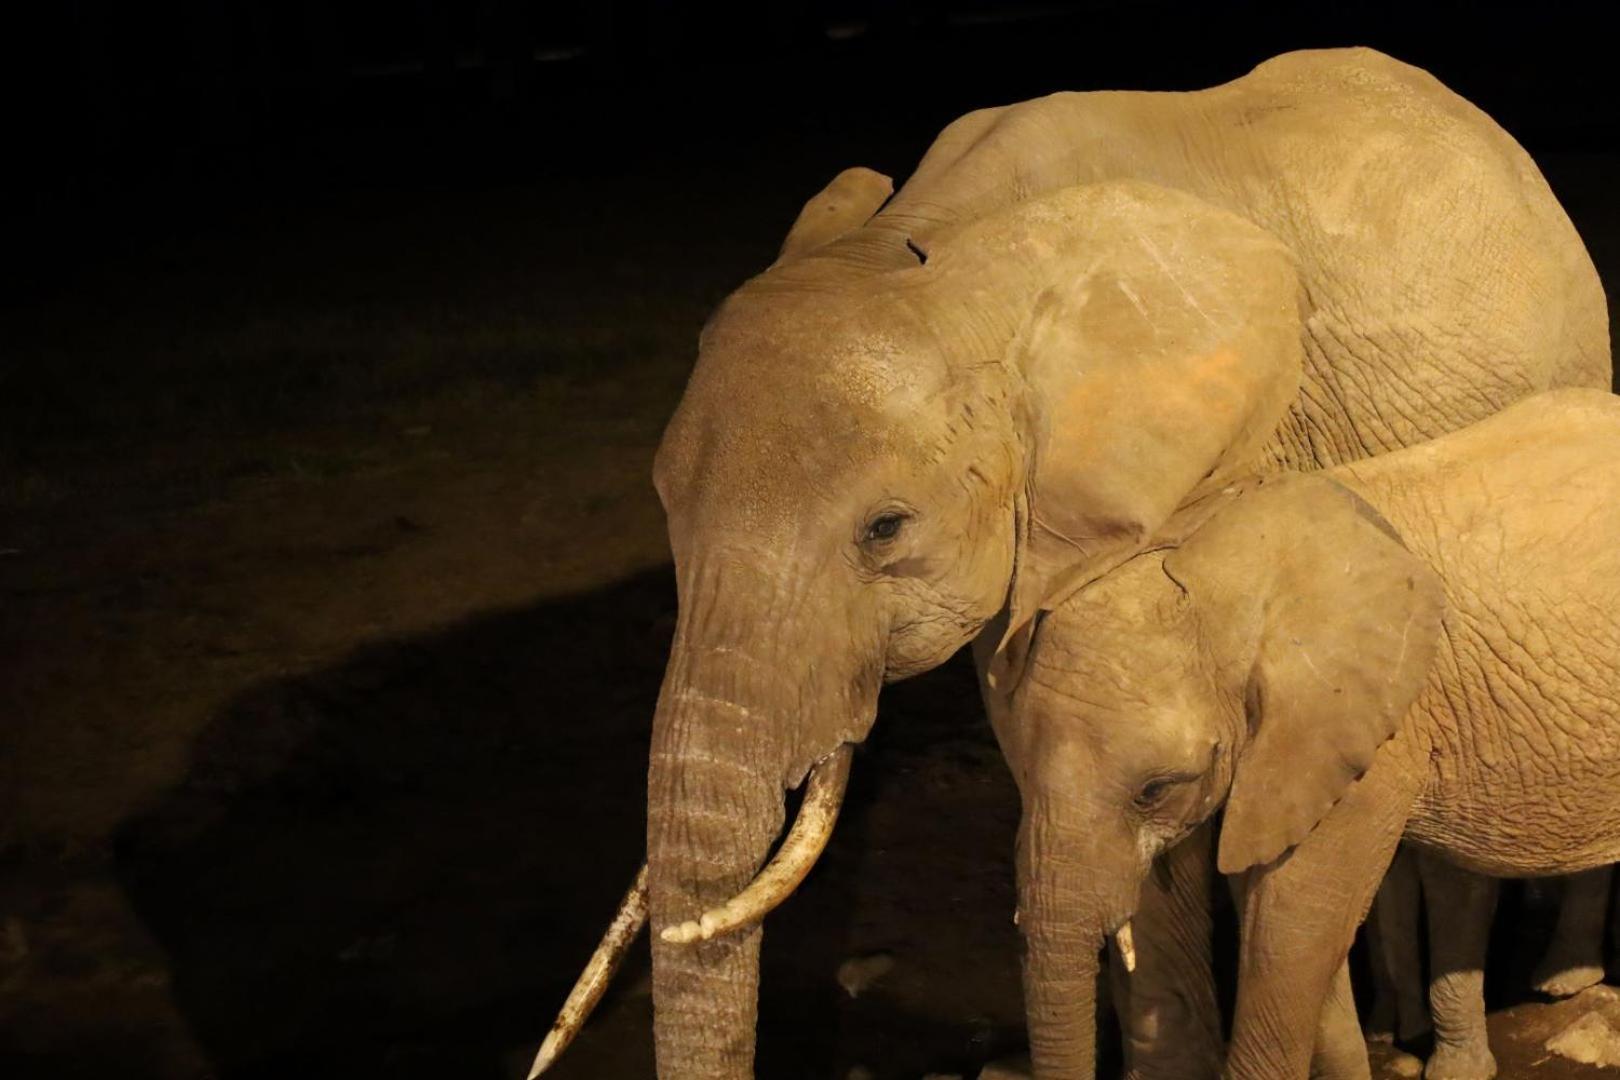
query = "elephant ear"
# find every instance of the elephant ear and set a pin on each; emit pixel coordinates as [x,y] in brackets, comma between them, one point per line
[1311,595]
[1159,347]
[839,208]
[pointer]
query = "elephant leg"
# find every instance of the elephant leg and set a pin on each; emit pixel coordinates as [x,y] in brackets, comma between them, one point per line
[1460,906]
[1574,960]
[1341,1051]
[1383,1015]
[1400,1012]
[1300,914]
[1170,1014]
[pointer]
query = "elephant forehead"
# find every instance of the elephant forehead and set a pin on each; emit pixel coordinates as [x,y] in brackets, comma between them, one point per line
[1136,598]
[1130,630]
[855,348]
[880,370]
[771,417]
[772,461]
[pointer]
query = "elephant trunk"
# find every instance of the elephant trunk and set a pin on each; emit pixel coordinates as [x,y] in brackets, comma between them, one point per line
[793,860]
[715,804]
[1060,996]
[1066,910]
[812,828]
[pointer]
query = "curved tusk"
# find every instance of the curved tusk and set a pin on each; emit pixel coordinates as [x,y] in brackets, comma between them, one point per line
[823,795]
[1126,940]
[598,971]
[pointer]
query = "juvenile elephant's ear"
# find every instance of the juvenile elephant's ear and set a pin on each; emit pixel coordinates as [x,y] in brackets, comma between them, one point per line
[841,207]
[1333,623]
[1158,340]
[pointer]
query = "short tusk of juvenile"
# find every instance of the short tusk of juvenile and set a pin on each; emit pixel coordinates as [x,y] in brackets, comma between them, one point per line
[1127,945]
[823,794]
[627,922]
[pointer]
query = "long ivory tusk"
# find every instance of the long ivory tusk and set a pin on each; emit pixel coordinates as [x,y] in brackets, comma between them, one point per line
[599,970]
[1127,945]
[823,794]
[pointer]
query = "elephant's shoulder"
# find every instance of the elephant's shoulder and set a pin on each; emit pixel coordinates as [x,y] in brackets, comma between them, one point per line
[1349,71]
[1348,94]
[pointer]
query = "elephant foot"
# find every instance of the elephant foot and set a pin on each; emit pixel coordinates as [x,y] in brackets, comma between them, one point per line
[1561,980]
[1469,1061]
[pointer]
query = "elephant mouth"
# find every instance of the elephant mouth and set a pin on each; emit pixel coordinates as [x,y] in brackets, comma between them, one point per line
[804,843]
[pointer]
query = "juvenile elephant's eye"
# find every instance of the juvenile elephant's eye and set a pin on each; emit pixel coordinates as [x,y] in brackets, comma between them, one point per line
[884,527]
[1153,792]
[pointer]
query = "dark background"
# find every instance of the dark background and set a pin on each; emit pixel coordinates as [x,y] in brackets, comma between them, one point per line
[153,111]
[333,596]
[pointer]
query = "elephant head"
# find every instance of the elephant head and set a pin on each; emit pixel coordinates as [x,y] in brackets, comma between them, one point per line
[891,442]
[1258,666]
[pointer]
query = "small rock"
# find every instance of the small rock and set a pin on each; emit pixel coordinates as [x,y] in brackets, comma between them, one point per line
[1599,995]
[1591,1040]
[1013,1068]
[859,972]
[860,1072]
[13,942]
[152,979]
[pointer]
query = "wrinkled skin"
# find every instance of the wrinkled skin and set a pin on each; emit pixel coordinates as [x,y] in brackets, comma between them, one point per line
[1424,645]
[930,421]
[1460,907]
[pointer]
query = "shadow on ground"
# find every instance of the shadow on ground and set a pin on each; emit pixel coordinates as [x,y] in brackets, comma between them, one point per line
[397,865]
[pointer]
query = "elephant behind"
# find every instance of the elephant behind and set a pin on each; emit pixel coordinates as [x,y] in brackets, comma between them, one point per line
[941,413]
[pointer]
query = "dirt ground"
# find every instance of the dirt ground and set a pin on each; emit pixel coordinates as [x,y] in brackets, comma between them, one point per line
[333,606]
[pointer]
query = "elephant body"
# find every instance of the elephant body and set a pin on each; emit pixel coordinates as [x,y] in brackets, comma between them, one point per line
[1442,280]
[1422,645]
[1520,520]
[938,415]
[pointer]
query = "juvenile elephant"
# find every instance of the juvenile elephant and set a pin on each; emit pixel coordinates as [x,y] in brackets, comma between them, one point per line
[937,414]
[1424,644]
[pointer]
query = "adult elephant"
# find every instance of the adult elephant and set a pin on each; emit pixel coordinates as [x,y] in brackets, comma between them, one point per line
[940,413]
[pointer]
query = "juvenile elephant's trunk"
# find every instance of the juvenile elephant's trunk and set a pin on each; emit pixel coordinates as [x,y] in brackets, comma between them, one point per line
[1060,995]
[1065,909]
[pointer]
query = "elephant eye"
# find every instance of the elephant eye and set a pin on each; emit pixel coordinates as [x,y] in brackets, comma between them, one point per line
[1153,792]
[884,527]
